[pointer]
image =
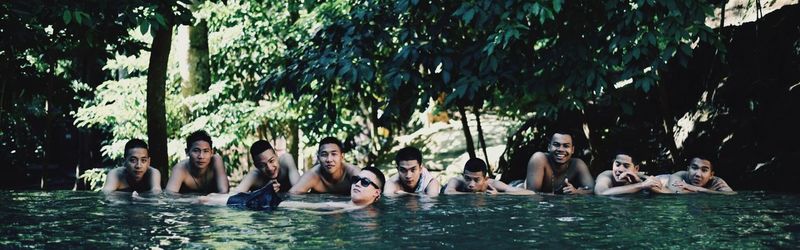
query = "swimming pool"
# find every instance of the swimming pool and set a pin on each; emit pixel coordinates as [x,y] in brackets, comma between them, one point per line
[67,219]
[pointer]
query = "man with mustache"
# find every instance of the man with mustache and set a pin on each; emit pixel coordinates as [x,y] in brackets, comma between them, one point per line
[556,170]
[412,177]
[330,175]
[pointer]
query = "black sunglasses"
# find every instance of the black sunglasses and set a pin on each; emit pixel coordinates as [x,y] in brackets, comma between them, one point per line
[364,181]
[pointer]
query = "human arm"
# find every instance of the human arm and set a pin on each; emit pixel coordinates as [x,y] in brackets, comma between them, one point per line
[176,178]
[286,162]
[155,181]
[505,188]
[247,182]
[112,181]
[220,175]
[585,177]
[433,188]
[534,176]
[390,189]
[603,186]
[684,187]
[306,182]
[452,186]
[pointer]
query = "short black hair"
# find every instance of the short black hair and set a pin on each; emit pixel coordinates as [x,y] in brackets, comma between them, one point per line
[331,140]
[135,143]
[407,154]
[476,165]
[630,153]
[563,131]
[259,147]
[199,135]
[379,174]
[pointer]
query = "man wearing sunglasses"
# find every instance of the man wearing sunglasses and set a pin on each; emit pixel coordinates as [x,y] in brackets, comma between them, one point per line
[331,175]
[412,177]
[365,189]
[474,180]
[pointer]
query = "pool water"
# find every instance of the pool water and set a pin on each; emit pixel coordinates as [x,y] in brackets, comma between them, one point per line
[68,219]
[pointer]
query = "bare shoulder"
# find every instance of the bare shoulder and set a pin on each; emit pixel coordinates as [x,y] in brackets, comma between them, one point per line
[352,169]
[154,170]
[606,174]
[539,156]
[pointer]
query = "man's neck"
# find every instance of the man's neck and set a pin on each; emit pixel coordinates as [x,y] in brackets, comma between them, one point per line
[336,176]
[558,168]
[196,171]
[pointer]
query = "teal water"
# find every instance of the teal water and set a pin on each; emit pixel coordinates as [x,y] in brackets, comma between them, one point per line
[67,219]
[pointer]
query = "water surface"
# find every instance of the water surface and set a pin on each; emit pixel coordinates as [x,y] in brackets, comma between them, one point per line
[67,219]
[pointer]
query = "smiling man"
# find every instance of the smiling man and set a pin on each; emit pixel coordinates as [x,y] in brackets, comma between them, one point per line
[624,177]
[268,170]
[136,173]
[412,177]
[330,175]
[556,170]
[698,178]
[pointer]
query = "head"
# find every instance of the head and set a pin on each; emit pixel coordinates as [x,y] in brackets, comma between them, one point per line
[409,166]
[265,159]
[200,149]
[330,155]
[367,186]
[474,174]
[137,158]
[700,171]
[561,146]
[623,162]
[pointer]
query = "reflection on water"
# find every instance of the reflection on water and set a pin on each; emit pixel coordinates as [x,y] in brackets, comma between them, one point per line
[66,219]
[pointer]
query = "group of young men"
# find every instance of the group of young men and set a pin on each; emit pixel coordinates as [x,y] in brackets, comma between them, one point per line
[554,171]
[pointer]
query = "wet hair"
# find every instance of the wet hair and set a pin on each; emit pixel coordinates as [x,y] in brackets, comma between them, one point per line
[199,135]
[259,147]
[379,174]
[135,143]
[407,154]
[476,165]
[331,140]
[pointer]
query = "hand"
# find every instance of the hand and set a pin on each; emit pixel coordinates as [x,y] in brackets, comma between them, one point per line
[650,183]
[275,185]
[630,177]
[490,190]
[568,188]
[685,187]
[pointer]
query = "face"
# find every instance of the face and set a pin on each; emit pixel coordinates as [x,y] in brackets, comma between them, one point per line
[137,160]
[409,173]
[561,148]
[200,154]
[267,162]
[330,157]
[699,172]
[365,194]
[623,163]
[474,181]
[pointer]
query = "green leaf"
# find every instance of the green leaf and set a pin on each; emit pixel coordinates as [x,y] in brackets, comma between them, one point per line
[143,27]
[160,20]
[67,16]
[77,16]
[468,15]
[557,5]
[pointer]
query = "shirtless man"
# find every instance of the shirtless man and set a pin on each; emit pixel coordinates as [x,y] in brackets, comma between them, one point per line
[556,170]
[136,173]
[698,178]
[203,172]
[474,180]
[624,178]
[412,177]
[269,170]
[365,189]
[331,175]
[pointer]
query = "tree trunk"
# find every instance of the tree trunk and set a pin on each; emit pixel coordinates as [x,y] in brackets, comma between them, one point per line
[667,124]
[481,140]
[156,91]
[196,73]
[467,134]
